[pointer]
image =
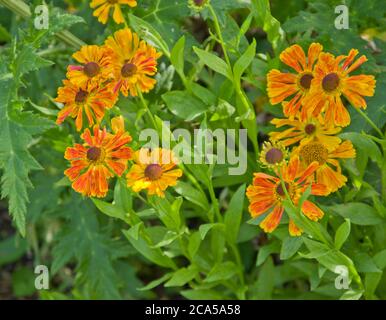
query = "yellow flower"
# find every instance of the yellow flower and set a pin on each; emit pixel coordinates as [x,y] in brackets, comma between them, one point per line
[273,155]
[331,81]
[154,171]
[304,131]
[103,8]
[134,62]
[329,172]
[295,86]
[96,66]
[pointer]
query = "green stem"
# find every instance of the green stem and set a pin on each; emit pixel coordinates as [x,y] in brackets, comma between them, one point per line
[148,112]
[219,34]
[239,91]
[214,201]
[239,263]
[369,121]
[383,170]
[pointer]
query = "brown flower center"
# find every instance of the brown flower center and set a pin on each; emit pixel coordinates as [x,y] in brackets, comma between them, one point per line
[279,189]
[91,69]
[314,151]
[330,82]
[81,96]
[310,128]
[305,80]
[153,171]
[128,70]
[274,156]
[112,1]
[199,2]
[94,153]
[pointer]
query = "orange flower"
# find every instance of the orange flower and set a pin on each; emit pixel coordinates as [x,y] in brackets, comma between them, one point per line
[96,66]
[329,171]
[100,158]
[104,7]
[331,80]
[304,131]
[153,170]
[281,85]
[266,193]
[91,99]
[134,62]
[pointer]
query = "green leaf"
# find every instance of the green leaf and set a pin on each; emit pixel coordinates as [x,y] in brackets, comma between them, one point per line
[177,56]
[264,18]
[351,295]
[27,60]
[214,62]
[372,280]
[290,246]
[222,271]
[205,228]
[109,209]
[367,146]
[12,249]
[83,240]
[153,254]
[342,234]
[23,282]
[202,294]
[194,243]
[233,215]
[147,32]
[156,283]
[182,276]
[244,61]
[266,280]
[184,105]
[358,213]
[192,194]
[266,251]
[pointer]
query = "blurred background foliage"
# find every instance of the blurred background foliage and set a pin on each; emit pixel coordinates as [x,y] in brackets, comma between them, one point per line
[88,256]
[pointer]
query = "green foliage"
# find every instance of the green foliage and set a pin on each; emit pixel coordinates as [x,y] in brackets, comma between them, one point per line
[197,242]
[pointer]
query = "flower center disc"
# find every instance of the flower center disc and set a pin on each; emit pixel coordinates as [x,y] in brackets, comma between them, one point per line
[310,128]
[279,189]
[330,82]
[305,81]
[314,151]
[274,155]
[112,1]
[153,171]
[94,153]
[199,2]
[91,69]
[81,96]
[128,70]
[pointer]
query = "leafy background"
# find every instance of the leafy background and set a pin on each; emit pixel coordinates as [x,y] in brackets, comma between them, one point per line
[178,248]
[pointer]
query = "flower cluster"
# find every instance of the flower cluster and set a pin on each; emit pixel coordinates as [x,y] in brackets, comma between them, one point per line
[312,103]
[317,86]
[124,64]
